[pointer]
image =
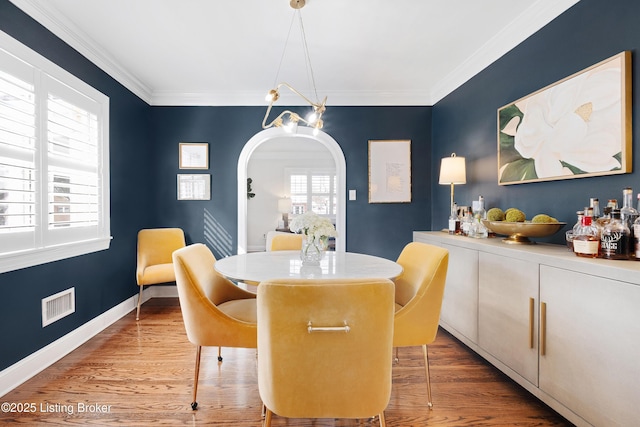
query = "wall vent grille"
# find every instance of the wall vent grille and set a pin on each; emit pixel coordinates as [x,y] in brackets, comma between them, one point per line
[57,306]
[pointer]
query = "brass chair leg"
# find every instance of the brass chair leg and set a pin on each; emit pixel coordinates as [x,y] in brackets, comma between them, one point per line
[396,359]
[139,302]
[219,354]
[194,403]
[426,367]
[267,418]
[382,420]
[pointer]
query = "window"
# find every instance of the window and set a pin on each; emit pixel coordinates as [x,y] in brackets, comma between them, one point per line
[54,178]
[312,189]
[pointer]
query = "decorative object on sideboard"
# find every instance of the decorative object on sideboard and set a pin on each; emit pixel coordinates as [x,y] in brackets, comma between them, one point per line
[453,171]
[314,119]
[578,127]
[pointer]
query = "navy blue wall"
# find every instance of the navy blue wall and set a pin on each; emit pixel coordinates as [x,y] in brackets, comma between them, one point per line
[103,279]
[465,121]
[378,229]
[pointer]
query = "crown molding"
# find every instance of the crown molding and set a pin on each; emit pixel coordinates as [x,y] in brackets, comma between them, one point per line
[48,16]
[539,14]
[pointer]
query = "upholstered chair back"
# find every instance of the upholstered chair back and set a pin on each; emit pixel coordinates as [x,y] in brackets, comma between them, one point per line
[155,246]
[316,373]
[286,242]
[215,311]
[419,291]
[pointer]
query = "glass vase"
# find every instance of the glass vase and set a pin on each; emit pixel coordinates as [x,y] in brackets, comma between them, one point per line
[312,251]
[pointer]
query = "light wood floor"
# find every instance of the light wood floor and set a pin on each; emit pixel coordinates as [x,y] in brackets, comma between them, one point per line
[140,374]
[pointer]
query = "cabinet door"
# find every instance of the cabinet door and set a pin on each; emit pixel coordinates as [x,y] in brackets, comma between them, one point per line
[591,360]
[507,314]
[460,303]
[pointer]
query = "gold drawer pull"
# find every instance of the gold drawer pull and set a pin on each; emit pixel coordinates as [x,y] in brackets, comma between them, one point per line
[543,328]
[531,319]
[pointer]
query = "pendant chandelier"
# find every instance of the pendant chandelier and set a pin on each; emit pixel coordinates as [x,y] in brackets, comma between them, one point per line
[289,119]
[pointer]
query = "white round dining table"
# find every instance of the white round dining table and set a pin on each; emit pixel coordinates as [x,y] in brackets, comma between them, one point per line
[261,266]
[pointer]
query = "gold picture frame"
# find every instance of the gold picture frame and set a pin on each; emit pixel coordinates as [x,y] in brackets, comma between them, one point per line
[390,171]
[193,155]
[578,127]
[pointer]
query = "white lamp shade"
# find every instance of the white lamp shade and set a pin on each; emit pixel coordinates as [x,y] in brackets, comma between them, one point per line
[284,205]
[452,170]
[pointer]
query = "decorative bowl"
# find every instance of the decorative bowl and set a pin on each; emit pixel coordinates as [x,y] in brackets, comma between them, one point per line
[519,232]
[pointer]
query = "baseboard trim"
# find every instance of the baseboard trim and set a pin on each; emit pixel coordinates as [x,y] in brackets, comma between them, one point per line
[38,361]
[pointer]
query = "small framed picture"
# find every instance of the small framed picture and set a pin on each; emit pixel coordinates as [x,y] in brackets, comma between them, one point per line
[194,155]
[194,187]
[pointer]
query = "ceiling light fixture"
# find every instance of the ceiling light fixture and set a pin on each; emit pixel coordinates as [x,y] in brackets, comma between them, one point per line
[314,119]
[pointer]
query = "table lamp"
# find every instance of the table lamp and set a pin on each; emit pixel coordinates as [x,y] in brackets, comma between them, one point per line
[284,207]
[452,171]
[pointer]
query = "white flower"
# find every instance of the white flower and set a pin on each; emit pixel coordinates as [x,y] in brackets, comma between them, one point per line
[314,226]
[576,122]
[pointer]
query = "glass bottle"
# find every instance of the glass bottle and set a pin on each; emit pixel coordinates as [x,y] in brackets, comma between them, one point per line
[612,203]
[604,219]
[628,213]
[454,220]
[614,240]
[586,241]
[580,214]
[635,249]
[595,204]
[467,222]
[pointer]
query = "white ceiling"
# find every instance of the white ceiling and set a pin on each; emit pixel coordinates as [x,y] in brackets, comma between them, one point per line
[227,52]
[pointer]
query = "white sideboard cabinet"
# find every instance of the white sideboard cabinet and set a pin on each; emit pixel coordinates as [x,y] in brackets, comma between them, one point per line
[565,328]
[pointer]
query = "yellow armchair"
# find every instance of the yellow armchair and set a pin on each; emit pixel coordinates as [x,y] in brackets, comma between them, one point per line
[419,291]
[215,311]
[284,241]
[325,348]
[154,263]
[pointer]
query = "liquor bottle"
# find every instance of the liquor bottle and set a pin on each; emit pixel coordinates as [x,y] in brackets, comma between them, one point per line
[628,213]
[612,203]
[595,204]
[586,241]
[604,219]
[467,221]
[635,249]
[614,240]
[454,220]
[580,214]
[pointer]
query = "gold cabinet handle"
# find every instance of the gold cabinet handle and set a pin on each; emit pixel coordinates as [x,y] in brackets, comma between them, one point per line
[531,326]
[543,328]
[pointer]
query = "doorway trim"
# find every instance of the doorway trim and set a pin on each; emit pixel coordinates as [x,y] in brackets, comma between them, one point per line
[301,133]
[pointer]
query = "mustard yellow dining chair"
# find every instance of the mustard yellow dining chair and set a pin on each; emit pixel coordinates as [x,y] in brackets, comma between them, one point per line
[286,242]
[325,348]
[154,264]
[419,291]
[215,311]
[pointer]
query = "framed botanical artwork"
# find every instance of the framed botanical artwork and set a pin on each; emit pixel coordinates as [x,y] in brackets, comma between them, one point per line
[390,171]
[577,127]
[194,155]
[194,187]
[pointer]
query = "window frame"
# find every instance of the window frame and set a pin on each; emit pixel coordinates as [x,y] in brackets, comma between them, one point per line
[45,250]
[310,172]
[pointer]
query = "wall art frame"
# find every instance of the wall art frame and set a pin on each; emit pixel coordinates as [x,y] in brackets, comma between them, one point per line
[193,155]
[389,171]
[194,186]
[577,127]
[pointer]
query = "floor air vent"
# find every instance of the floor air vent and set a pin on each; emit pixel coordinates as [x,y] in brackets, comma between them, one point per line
[57,306]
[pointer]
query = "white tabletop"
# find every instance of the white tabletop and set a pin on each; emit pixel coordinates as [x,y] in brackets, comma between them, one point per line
[261,266]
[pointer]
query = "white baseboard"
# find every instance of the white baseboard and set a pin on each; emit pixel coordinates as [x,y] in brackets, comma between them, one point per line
[33,364]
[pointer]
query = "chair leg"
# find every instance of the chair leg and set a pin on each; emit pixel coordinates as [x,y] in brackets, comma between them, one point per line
[426,367]
[396,359]
[194,403]
[267,418]
[139,302]
[219,354]
[383,423]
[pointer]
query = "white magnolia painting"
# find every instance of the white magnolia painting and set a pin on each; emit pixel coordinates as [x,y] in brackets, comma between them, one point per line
[578,127]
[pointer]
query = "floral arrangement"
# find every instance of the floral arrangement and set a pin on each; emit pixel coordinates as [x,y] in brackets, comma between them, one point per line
[313,226]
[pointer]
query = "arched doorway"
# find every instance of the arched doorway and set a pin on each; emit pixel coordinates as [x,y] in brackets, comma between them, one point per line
[301,133]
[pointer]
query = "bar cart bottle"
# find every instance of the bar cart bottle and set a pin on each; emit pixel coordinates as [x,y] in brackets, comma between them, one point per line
[586,241]
[614,238]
